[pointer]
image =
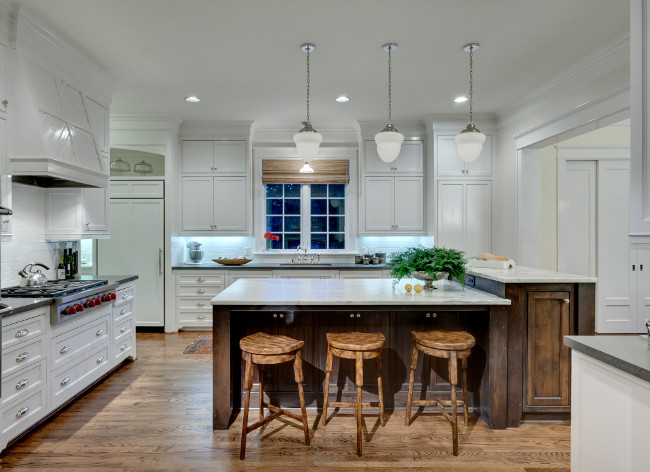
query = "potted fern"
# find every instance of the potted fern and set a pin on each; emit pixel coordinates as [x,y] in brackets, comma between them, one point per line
[428,264]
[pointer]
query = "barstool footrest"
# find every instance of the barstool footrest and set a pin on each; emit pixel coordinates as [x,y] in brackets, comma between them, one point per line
[352,404]
[279,410]
[439,404]
[436,402]
[260,423]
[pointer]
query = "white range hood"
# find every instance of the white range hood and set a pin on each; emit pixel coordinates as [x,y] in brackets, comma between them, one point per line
[51,142]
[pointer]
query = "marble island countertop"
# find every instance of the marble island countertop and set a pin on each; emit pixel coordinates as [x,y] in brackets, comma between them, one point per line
[278,266]
[520,274]
[348,292]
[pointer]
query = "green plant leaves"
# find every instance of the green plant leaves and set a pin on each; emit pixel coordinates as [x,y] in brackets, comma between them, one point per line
[428,260]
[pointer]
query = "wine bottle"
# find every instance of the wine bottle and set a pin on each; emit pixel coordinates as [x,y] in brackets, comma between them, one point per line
[75,264]
[68,263]
[60,270]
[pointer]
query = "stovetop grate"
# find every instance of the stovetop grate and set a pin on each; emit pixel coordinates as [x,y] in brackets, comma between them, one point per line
[55,288]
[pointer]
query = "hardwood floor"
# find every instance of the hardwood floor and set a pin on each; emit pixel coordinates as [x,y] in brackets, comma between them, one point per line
[156,414]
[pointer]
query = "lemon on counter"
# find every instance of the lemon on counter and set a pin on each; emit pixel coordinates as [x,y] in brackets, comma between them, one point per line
[418,288]
[408,287]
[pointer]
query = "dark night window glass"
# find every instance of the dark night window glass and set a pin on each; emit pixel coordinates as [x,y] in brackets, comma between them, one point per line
[318,206]
[274,223]
[337,241]
[291,206]
[319,241]
[273,190]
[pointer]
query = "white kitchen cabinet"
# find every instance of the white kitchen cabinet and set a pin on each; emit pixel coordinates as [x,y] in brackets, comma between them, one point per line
[194,290]
[393,205]
[234,275]
[3,81]
[123,320]
[77,213]
[99,119]
[215,204]
[464,216]
[409,160]
[210,157]
[305,274]
[449,163]
[361,274]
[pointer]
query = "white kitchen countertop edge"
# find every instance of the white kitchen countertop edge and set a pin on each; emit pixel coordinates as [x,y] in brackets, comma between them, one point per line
[521,274]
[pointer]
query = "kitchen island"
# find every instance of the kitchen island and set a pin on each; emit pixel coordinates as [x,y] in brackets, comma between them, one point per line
[307,309]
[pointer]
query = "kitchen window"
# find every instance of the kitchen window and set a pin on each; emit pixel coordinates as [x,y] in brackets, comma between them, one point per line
[307,215]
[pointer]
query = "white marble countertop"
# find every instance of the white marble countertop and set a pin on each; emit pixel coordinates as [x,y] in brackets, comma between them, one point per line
[528,275]
[348,292]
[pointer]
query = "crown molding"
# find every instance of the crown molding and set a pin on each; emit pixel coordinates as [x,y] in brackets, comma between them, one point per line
[446,121]
[601,62]
[145,122]
[216,129]
[266,151]
[331,136]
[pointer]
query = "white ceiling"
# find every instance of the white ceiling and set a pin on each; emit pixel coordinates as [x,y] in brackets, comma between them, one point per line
[242,57]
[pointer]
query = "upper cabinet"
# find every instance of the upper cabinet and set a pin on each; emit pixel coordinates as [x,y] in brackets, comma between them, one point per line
[76,213]
[449,163]
[410,159]
[210,157]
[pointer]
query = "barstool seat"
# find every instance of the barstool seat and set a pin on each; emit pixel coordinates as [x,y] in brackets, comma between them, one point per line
[452,345]
[357,346]
[260,349]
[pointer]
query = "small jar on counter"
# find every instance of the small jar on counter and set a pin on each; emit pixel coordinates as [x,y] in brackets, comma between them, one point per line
[358,259]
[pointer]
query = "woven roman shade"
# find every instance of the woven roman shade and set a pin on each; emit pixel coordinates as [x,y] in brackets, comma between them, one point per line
[287,171]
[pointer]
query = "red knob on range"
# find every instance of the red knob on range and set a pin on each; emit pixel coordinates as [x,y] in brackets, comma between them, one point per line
[79,307]
[90,303]
[71,310]
[98,301]
[106,298]
[113,296]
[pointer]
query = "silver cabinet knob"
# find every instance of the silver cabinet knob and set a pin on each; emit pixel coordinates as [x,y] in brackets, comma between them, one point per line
[22,356]
[123,347]
[100,359]
[281,315]
[566,300]
[275,315]
[22,383]
[358,315]
[5,103]
[64,349]
[123,329]
[200,303]
[428,315]
[351,315]
[200,317]
[65,381]
[200,291]
[22,411]
[99,332]
[122,312]
[22,332]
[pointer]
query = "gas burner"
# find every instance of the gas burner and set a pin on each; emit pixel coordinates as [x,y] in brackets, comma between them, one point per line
[55,288]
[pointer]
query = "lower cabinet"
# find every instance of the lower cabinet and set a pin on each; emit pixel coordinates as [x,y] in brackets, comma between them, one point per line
[194,290]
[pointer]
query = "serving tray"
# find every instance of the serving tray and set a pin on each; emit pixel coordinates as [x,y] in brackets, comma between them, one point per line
[232,261]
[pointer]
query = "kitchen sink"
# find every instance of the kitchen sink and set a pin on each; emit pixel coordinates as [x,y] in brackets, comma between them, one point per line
[295,264]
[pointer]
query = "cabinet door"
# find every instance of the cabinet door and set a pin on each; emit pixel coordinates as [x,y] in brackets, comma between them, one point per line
[478,218]
[99,124]
[482,166]
[548,363]
[95,203]
[198,204]
[409,204]
[198,157]
[3,81]
[63,214]
[231,202]
[298,325]
[643,289]
[305,274]
[379,203]
[410,158]
[230,156]
[450,217]
[373,163]
[447,159]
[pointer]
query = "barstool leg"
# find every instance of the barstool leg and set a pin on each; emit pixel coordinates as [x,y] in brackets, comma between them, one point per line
[248,384]
[328,369]
[260,370]
[359,382]
[453,380]
[380,390]
[297,371]
[409,398]
[465,404]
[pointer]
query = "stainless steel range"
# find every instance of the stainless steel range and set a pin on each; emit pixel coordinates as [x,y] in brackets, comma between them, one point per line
[71,297]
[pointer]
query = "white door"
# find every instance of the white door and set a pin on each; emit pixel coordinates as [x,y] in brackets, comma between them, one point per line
[478,218]
[450,219]
[409,204]
[379,203]
[617,311]
[230,204]
[230,156]
[96,204]
[410,157]
[137,247]
[198,204]
[372,160]
[643,289]
[198,156]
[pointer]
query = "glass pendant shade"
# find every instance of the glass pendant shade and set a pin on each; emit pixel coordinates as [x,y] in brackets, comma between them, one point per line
[469,143]
[389,143]
[307,143]
[306,169]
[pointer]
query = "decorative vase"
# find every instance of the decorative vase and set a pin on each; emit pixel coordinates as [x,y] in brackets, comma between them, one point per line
[268,244]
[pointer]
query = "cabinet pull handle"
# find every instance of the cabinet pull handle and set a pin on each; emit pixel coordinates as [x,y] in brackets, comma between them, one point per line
[160,253]
[281,315]
[64,349]
[99,332]
[123,329]
[200,303]
[122,312]
[200,317]
[428,315]
[123,347]
[200,291]
[65,381]
[124,297]
[100,359]
[358,315]
[200,279]
[5,103]
[566,300]
[640,266]
[22,411]
[275,315]
[22,356]
[633,267]
[22,332]
[22,383]
[351,315]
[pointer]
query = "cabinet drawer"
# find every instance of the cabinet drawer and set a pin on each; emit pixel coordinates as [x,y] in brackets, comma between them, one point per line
[77,375]
[20,414]
[122,348]
[24,329]
[23,355]
[64,348]
[123,329]
[198,290]
[201,304]
[186,318]
[124,296]
[122,311]
[23,383]
[211,279]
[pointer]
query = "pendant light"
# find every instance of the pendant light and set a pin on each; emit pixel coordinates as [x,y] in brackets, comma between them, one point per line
[469,142]
[307,139]
[389,140]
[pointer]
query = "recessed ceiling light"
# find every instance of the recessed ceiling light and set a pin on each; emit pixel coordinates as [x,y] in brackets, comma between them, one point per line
[460,99]
[192,99]
[342,99]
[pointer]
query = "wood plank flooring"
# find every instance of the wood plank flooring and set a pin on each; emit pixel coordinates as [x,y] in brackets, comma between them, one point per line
[155,414]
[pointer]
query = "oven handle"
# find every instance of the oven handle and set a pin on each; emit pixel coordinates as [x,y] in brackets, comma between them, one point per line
[6,311]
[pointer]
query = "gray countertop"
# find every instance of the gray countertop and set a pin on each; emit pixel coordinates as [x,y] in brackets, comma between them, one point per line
[530,275]
[630,354]
[278,266]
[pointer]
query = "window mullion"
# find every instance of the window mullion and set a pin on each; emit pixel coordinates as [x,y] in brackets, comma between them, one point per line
[305,222]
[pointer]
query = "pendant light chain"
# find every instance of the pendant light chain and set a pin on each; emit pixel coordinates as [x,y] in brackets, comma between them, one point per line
[471,81]
[389,86]
[308,51]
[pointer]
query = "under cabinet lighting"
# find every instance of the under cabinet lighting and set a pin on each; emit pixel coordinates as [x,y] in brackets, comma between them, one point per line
[460,99]
[342,99]
[192,99]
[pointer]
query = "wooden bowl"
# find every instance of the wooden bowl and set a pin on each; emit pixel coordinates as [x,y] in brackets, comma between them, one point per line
[232,261]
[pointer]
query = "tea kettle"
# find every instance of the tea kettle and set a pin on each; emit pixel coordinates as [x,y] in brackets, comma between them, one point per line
[33,279]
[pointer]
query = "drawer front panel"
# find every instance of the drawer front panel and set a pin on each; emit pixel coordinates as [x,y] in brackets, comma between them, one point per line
[75,376]
[198,290]
[122,311]
[20,414]
[122,348]
[23,383]
[195,319]
[201,304]
[123,329]
[23,355]
[124,296]
[64,348]
[24,329]
[211,279]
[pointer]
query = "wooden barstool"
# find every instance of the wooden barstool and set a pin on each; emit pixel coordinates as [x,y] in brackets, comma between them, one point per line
[261,349]
[357,346]
[452,345]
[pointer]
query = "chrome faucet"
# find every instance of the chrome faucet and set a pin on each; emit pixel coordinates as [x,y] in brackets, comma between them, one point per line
[301,258]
